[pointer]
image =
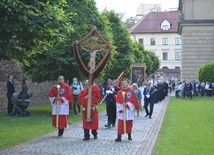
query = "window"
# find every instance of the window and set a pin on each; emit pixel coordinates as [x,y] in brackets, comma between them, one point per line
[165,41]
[140,41]
[165,56]
[165,27]
[165,67]
[177,55]
[177,41]
[152,41]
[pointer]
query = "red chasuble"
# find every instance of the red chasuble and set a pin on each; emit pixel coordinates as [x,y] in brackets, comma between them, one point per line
[65,91]
[67,98]
[96,97]
[133,103]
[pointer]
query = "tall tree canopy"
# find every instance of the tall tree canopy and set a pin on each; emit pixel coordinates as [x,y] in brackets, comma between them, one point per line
[29,27]
[60,59]
[43,32]
[124,55]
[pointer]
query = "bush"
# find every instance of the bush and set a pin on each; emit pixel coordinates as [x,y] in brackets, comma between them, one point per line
[206,72]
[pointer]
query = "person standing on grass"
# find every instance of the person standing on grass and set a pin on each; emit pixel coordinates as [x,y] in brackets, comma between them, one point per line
[126,106]
[83,100]
[76,87]
[189,88]
[64,97]
[10,91]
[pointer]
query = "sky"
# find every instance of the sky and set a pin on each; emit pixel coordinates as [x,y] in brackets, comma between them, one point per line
[129,7]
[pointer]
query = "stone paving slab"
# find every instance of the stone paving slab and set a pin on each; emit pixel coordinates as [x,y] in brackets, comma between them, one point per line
[144,135]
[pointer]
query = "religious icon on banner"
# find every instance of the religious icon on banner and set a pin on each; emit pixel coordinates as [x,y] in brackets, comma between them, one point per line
[138,73]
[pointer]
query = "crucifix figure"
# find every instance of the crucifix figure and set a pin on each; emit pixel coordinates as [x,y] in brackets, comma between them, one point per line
[92,60]
[91,43]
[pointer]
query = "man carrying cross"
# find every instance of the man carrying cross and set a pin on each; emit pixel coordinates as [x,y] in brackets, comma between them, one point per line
[83,100]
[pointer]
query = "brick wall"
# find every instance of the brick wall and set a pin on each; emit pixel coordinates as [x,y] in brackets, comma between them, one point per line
[40,90]
[197,49]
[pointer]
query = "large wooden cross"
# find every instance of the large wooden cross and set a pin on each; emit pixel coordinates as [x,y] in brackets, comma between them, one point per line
[89,43]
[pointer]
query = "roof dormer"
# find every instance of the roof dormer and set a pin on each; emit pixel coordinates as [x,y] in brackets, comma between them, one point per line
[165,25]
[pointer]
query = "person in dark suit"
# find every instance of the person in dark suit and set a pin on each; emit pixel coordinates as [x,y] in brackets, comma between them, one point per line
[149,99]
[10,91]
[111,103]
[107,87]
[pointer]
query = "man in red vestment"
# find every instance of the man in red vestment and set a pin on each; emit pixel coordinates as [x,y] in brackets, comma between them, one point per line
[65,98]
[83,100]
[130,102]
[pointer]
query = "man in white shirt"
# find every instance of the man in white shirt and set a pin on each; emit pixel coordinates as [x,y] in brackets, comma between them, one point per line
[76,87]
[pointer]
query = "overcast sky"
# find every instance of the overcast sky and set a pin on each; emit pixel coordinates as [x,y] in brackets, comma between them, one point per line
[129,7]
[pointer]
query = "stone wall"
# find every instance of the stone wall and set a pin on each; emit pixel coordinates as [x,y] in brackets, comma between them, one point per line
[40,90]
[197,49]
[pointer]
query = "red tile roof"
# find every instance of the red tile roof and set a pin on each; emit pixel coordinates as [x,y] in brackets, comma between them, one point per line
[151,23]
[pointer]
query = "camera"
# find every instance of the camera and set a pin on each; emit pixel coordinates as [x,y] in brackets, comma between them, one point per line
[74,88]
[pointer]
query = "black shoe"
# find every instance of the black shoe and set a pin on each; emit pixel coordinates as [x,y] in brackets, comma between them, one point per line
[108,126]
[113,125]
[95,137]
[147,115]
[60,135]
[118,140]
[85,139]
[150,117]
[129,136]
[10,114]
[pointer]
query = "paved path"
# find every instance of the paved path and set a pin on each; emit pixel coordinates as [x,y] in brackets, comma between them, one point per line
[144,135]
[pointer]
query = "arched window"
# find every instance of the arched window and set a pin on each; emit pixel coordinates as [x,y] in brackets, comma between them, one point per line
[165,67]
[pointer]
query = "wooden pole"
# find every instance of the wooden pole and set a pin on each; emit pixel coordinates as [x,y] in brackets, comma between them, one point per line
[90,85]
[57,106]
[124,111]
[107,94]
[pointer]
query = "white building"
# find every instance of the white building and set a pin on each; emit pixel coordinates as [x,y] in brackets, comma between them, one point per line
[157,32]
[144,9]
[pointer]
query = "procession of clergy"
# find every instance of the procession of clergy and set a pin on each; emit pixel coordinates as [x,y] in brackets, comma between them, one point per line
[121,104]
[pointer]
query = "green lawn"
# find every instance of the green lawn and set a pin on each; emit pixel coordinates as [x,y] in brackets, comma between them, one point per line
[15,130]
[188,128]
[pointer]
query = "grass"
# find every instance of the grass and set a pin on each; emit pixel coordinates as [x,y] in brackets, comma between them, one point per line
[188,128]
[15,130]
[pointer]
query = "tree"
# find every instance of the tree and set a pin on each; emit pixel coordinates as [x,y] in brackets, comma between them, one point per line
[130,20]
[60,59]
[29,27]
[123,51]
[206,72]
[155,62]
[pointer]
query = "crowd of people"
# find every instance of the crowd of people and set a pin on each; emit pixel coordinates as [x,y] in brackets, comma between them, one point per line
[190,88]
[123,103]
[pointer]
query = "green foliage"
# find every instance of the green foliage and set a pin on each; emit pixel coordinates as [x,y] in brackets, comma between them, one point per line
[187,128]
[44,32]
[123,51]
[206,72]
[60,59]
[29,27]
[130,20]
[155,63]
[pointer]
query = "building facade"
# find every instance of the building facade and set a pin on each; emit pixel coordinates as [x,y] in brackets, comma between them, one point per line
[157,32]
[197,32]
